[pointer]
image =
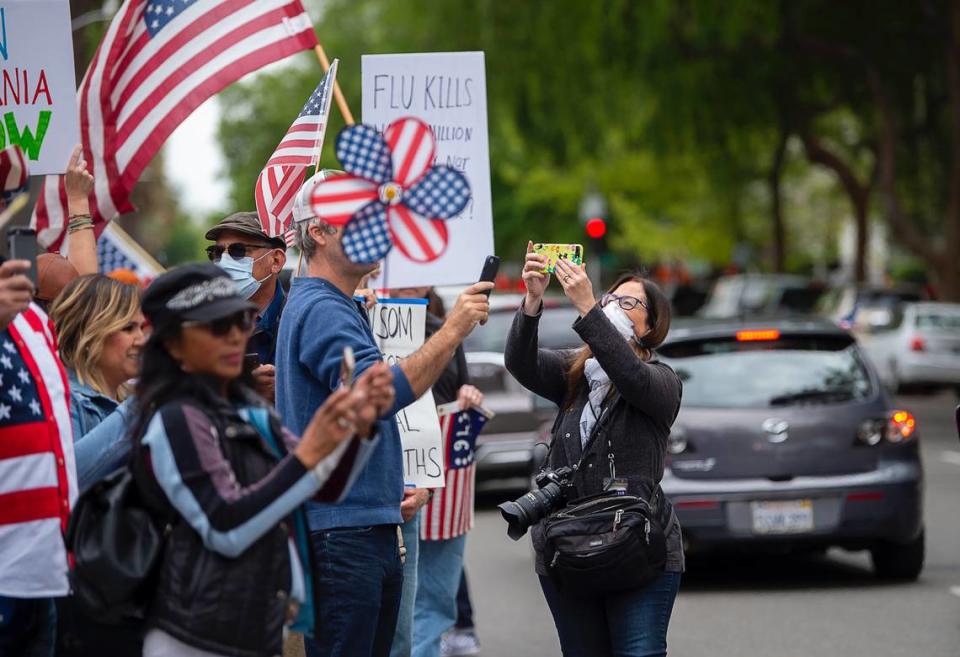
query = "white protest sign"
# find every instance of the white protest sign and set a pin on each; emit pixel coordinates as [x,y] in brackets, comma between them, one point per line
[38,89]
[399,328]
[449,92]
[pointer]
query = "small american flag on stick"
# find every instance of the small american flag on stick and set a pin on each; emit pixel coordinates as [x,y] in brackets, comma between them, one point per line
[280,180]
[450,513]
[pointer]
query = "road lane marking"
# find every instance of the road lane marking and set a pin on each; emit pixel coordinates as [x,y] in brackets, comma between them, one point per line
[955,590]
[952,458]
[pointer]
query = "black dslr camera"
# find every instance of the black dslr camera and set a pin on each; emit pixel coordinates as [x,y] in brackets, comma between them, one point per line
[528,509]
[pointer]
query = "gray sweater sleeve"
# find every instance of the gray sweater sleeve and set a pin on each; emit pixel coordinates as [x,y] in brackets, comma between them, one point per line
[653,388]
[542,371]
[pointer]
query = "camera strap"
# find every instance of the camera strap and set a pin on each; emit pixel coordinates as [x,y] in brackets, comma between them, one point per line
[601,423]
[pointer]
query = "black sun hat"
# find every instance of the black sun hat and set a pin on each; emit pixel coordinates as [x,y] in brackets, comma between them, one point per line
[194,292]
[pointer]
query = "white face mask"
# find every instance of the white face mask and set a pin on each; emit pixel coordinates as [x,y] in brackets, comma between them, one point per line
[620,320]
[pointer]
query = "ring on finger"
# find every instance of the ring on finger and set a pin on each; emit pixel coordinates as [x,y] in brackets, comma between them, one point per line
[342,423]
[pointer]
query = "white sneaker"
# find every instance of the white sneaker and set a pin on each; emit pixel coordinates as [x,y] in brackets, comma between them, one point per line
[459,643]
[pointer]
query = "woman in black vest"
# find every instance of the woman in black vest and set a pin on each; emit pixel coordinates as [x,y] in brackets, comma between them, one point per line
[616,378]
[236,568]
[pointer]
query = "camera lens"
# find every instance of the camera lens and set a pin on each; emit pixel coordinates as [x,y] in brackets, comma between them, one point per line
[530,509]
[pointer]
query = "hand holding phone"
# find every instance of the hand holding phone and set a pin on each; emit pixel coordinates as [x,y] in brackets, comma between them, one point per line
[555,252]
[22,245]
[348,366]
[490,268]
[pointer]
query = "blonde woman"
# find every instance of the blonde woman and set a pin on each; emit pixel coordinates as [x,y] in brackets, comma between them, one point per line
[101,333]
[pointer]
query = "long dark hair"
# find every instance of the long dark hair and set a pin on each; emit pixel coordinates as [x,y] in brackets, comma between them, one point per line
[162,380]
[658,321]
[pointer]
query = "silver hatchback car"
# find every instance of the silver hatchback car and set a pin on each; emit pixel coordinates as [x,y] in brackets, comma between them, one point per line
[786,437]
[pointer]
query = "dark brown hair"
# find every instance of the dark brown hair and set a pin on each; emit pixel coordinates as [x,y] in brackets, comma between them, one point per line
[658,321]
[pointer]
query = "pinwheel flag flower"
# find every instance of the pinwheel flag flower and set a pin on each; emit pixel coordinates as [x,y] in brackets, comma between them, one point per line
[391,194]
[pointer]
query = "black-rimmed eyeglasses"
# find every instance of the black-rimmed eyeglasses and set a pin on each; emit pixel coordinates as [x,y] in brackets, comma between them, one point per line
[624,301]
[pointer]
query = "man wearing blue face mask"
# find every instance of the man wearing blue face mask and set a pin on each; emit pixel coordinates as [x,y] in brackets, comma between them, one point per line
[254,261]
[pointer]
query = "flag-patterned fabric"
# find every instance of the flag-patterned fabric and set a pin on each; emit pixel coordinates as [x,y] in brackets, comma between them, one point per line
[117,250]
[38,480]
[392,194]
[14,172]
[158,61]
[280,180]
[450,513]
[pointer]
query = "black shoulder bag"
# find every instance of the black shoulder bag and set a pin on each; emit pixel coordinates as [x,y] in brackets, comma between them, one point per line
[605,543]
[117,537]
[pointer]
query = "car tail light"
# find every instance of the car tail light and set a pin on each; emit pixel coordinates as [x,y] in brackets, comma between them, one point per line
[677,441]
[918,343]
[901,426]
[871,431]
[763,335]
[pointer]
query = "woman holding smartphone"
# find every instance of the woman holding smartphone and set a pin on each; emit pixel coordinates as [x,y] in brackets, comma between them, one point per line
[615,377]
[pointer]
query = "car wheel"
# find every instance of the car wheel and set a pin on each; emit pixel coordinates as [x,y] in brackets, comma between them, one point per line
[899,561]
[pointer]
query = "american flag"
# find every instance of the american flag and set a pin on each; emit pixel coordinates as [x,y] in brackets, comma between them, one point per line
[450,513]
[36,458]
[158,61]
[280,180]
[14,173]
[117,250]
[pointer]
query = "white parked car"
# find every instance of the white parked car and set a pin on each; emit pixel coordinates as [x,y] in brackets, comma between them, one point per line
[919,346]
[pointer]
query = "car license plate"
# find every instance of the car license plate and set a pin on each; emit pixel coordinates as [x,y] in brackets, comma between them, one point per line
[787,517]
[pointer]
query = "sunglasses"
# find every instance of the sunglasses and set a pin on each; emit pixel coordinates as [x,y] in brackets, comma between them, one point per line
[223,325]
[236,250]
[625,302]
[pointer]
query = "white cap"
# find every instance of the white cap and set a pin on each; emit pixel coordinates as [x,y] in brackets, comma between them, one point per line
[301,204]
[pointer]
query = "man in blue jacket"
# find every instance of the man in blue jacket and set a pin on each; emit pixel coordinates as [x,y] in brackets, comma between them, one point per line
[356,549]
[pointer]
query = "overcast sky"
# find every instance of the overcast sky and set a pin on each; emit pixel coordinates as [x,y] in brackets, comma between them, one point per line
[194,161]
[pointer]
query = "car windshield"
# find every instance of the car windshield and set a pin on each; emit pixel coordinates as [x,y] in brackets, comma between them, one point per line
[939,320]
[556,330]
[784,372]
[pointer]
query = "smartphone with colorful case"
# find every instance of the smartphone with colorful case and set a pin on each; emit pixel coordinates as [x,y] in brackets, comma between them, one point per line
[554,252]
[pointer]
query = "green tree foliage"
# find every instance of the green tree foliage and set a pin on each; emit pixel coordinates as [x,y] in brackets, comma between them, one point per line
[706,124]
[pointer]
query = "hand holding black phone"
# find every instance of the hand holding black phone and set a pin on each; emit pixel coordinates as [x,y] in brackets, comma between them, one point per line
[22,245]
[490,268]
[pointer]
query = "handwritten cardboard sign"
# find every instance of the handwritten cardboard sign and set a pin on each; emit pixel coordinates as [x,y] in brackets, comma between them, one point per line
[38,89]
[449,92]
[399,327]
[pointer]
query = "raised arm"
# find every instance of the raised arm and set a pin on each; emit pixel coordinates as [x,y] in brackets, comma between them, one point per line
[200,483]
[653,388]
[542,371]
[82,251]
[424,366]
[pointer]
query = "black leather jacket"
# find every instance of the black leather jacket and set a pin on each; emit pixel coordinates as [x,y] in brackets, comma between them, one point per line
[231,606]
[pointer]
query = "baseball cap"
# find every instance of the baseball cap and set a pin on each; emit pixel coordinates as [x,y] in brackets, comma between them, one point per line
[199,292]
[301,203]
[246,223]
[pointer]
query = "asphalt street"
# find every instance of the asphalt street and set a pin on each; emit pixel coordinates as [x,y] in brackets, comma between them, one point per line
[745,605]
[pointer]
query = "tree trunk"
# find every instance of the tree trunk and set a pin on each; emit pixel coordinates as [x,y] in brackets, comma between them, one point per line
[857,192]
[776,205]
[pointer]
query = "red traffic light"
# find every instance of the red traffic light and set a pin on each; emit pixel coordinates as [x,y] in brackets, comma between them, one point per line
[596,228]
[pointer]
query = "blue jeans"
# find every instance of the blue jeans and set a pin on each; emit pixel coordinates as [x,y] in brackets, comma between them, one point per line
[359,583]
[403,638]
[28,627]
[630,624]
[439,580]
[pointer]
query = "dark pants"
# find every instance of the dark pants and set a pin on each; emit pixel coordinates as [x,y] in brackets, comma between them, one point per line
[80,635]
[359,584]
[464,607]
[630,624]
[27,627]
